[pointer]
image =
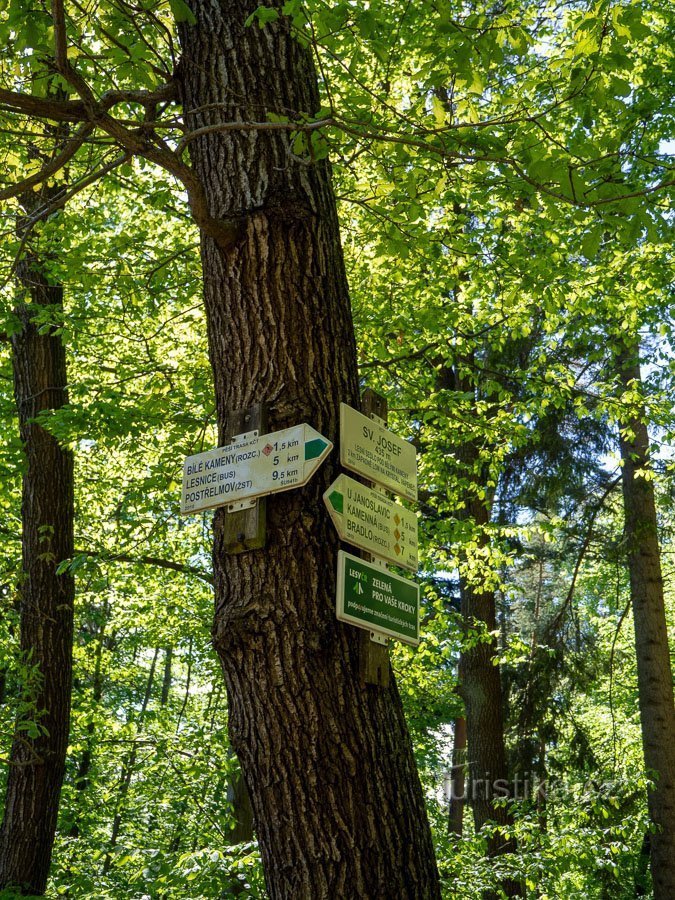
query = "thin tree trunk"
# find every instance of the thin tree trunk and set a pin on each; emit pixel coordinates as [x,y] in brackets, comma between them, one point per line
[38,762]
[481,689]
[480,684]
[542,784]
[458,779]
[328,761]
[239,797]
[166,680]
[186,695]
[641,881]
[127,771]
[655,681]
[84,766]
[482,693]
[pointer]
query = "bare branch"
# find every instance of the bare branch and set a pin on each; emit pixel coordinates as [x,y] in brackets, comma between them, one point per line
[41,108]
[62,64]
[404,357]
[52,167]
[165,93]
[103,556]
[556,621]
[170,564]
[252,126]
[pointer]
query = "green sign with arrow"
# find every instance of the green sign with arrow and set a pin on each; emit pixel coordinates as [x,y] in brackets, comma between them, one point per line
[370,520]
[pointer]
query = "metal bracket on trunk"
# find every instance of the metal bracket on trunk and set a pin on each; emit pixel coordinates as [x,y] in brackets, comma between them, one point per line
[378,638]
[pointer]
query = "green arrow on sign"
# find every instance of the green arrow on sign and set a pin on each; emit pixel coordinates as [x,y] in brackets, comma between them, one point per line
[315,448]
[337,501]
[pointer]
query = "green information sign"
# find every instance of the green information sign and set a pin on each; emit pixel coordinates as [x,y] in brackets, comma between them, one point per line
[373,598]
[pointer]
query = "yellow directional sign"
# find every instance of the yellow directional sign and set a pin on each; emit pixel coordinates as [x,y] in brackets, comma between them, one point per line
[372,450]
[369,520]
[251,468]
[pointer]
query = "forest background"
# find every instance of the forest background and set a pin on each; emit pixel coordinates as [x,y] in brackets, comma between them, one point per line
[504,179]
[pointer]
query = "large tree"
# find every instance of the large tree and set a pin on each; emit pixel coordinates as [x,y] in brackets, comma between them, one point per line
[655,678]
[327,759]
[278,313]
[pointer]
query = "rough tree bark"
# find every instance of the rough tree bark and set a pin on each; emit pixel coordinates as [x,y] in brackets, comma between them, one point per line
[37,764]
[328,761]
[655,679]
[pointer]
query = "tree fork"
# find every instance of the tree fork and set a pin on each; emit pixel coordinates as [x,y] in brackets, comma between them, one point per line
[327,760]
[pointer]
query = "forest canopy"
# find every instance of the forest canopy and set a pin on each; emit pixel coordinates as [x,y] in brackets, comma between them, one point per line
[211,207]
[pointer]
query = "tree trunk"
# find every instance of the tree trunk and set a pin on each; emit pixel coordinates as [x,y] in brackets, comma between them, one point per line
[458,779]
[242,811]
[482,692]
[481,689]
[480,683]
[38,762]
[655,682]
[328,761]
[81,780]
[128,769]
[166,680]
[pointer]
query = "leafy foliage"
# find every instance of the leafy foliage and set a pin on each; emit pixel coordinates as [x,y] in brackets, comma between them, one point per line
[506,206]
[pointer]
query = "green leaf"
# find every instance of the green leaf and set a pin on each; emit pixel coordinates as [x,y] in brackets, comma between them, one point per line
[263,14]
[182,12]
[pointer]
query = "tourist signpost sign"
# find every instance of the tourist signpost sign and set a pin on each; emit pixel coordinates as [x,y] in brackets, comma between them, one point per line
[252,467]
[371,597]
[368,594]
[372,450]
[371,521]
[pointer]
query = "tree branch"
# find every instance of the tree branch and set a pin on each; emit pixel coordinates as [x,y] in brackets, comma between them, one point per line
[251,126]
[52,167]
[555,623]
[158,562]
[41,108]
[170,564]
